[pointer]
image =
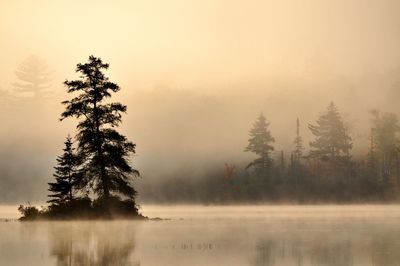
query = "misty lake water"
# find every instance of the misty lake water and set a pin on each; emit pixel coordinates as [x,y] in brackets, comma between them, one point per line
[193,235]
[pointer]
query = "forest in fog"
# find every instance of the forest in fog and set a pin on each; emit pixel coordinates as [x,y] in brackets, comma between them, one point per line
[253,145]
[326,172]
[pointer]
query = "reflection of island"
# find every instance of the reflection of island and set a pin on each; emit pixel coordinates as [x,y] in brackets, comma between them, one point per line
[368,248]
[85,244]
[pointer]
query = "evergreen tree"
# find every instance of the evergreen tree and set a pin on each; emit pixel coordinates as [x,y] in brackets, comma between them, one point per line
[372,160]
[298,142]
[66,175]
[260,143]
[33,78]
[384,135]
[104,151]
[332,142]
[296,170]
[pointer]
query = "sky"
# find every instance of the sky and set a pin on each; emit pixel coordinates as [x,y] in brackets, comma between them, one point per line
[195,43]
[195,75]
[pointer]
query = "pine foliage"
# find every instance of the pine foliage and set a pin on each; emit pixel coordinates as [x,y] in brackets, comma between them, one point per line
[331,138]
[66,176]
[260,143]
[103,150]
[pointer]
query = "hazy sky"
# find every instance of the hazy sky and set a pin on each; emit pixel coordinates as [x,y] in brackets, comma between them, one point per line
[195,43]
[195,75]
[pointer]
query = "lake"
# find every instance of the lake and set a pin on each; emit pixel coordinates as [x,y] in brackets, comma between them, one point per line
[212,235]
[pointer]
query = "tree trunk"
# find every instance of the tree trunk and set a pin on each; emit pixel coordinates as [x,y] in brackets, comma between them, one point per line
[103,176]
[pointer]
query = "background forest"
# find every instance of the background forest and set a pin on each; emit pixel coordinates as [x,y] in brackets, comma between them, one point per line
[327,172]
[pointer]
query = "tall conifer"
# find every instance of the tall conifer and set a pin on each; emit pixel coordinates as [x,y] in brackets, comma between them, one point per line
[105,152]
[260,143]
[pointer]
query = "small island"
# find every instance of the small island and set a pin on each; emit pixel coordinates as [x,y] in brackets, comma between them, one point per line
[93,177]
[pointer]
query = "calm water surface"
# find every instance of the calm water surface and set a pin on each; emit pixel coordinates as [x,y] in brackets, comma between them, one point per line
[194,235]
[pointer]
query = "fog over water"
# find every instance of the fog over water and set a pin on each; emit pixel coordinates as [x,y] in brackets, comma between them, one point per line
[259,235]
[194,76]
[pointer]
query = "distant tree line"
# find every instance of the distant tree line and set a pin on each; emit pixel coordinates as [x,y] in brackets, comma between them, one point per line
[327,172]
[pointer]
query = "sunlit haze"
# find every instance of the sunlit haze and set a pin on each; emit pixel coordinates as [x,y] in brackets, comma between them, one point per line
[195,75]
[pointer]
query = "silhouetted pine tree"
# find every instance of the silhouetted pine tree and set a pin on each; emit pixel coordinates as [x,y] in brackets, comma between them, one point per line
[66,175]
[104,151]
[260,143]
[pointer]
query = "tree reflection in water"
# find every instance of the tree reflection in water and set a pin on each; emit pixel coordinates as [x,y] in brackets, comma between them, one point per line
[93,244]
